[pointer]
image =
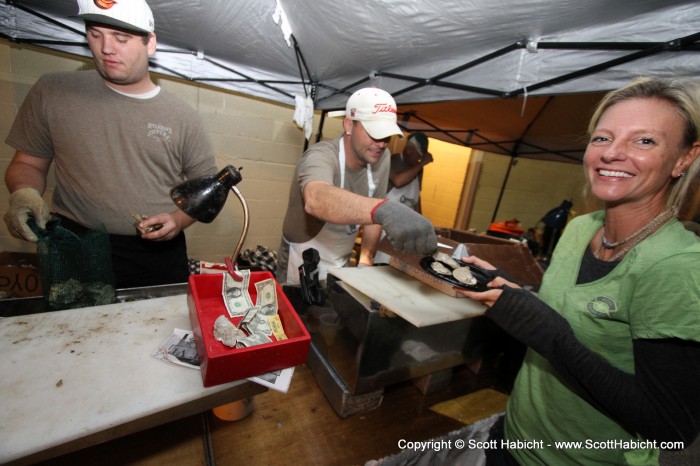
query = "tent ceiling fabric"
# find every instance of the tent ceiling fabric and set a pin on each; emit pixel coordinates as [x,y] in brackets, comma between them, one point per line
[540,127]
[420,51]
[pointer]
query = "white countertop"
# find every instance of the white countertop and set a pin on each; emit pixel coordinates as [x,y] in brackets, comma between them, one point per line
[69,379]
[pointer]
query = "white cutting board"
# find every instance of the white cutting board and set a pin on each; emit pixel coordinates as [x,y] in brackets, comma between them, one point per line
[407,297]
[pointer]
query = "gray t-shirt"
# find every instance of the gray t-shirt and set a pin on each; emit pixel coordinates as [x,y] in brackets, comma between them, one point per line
[320,162]
[114,155]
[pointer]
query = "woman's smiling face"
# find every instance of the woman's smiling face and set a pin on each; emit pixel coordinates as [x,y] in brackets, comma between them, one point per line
[633,152]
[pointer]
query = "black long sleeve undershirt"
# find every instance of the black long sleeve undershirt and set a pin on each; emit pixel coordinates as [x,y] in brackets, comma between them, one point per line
[659,401]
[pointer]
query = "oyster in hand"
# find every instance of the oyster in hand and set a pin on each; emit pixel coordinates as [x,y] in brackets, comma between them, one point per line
[464,275]
[143,230]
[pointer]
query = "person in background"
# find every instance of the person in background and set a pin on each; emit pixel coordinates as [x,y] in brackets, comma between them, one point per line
[405,177]
[118,142]
[406,171]
[341,184]
[614,335]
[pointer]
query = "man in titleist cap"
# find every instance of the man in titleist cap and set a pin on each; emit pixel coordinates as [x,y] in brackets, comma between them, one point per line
[340,185]
[118,143]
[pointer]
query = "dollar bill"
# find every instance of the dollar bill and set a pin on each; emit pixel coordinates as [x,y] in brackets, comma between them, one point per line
[268,309]
[267,295]
[235,294]
[248,319]
[261,324]
[254,339]
[254,318]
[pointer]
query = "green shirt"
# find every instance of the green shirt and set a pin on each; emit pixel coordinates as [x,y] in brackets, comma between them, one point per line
[654,292]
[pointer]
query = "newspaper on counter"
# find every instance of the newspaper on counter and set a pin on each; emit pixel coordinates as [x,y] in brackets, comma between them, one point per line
[179,349]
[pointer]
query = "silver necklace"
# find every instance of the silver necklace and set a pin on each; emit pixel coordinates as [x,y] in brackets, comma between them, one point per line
[637,236]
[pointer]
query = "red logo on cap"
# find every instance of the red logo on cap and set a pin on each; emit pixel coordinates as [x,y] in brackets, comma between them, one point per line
[352,112]
[104,4]
[384,108]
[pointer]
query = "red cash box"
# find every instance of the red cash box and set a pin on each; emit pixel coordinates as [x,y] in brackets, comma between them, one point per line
[220,363]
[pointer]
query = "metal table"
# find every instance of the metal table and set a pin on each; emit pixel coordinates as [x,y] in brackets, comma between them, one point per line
[74,378]
[371,349]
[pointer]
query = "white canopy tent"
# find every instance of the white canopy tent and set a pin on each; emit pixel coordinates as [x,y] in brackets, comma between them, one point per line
[506,76]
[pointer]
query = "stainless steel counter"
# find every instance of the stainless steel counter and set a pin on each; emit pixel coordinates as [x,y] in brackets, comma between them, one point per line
[367,349]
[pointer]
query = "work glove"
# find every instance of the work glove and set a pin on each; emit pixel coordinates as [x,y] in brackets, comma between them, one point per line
[24,202]
[407,230]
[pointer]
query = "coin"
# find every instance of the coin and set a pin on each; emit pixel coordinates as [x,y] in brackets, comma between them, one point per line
[464,275]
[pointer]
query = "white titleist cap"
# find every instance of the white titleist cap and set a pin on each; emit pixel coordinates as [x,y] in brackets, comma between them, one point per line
[133,15]
[376,109]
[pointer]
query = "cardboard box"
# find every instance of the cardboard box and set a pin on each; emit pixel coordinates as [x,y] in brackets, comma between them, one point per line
[20,276]
[514,258]
[220,363]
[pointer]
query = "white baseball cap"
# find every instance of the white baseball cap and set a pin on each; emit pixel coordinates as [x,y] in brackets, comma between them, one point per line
[375,109]
[133,15]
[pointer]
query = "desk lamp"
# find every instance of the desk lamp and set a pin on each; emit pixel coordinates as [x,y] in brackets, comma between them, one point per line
[203,198]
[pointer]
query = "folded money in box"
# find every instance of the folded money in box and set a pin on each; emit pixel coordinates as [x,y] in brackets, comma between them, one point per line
[257,351]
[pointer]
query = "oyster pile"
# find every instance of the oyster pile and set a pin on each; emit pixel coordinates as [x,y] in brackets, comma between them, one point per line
[446,265]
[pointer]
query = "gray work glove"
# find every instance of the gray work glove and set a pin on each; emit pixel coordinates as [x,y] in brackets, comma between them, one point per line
[23,202]
[407,230]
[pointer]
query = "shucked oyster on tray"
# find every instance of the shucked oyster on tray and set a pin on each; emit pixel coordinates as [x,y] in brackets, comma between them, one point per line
[440,268]
[456,272]
[446,259]
[464,275]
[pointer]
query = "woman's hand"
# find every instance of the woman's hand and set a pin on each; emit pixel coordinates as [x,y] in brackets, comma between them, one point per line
[489,297]
[478,262]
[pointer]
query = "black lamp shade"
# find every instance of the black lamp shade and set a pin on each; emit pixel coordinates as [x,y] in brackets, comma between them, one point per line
[203,198]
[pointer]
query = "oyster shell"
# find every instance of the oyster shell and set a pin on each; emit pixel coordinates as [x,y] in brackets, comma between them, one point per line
[226,332]
[446,259]
[440,268]
[464,275]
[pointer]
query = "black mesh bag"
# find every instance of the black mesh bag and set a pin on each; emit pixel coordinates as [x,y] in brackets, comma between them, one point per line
[76,268]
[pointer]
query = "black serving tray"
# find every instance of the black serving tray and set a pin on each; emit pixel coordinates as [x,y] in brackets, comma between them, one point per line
[481,275]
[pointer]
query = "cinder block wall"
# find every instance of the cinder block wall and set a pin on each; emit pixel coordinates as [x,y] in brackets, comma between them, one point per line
[534,187]
[442,183]
[255,135]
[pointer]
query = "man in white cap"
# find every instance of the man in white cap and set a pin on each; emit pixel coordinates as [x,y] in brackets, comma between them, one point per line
[118,143]
[340,185]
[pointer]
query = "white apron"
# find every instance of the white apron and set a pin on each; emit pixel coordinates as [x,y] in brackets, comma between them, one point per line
[407,194]
[334,243]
